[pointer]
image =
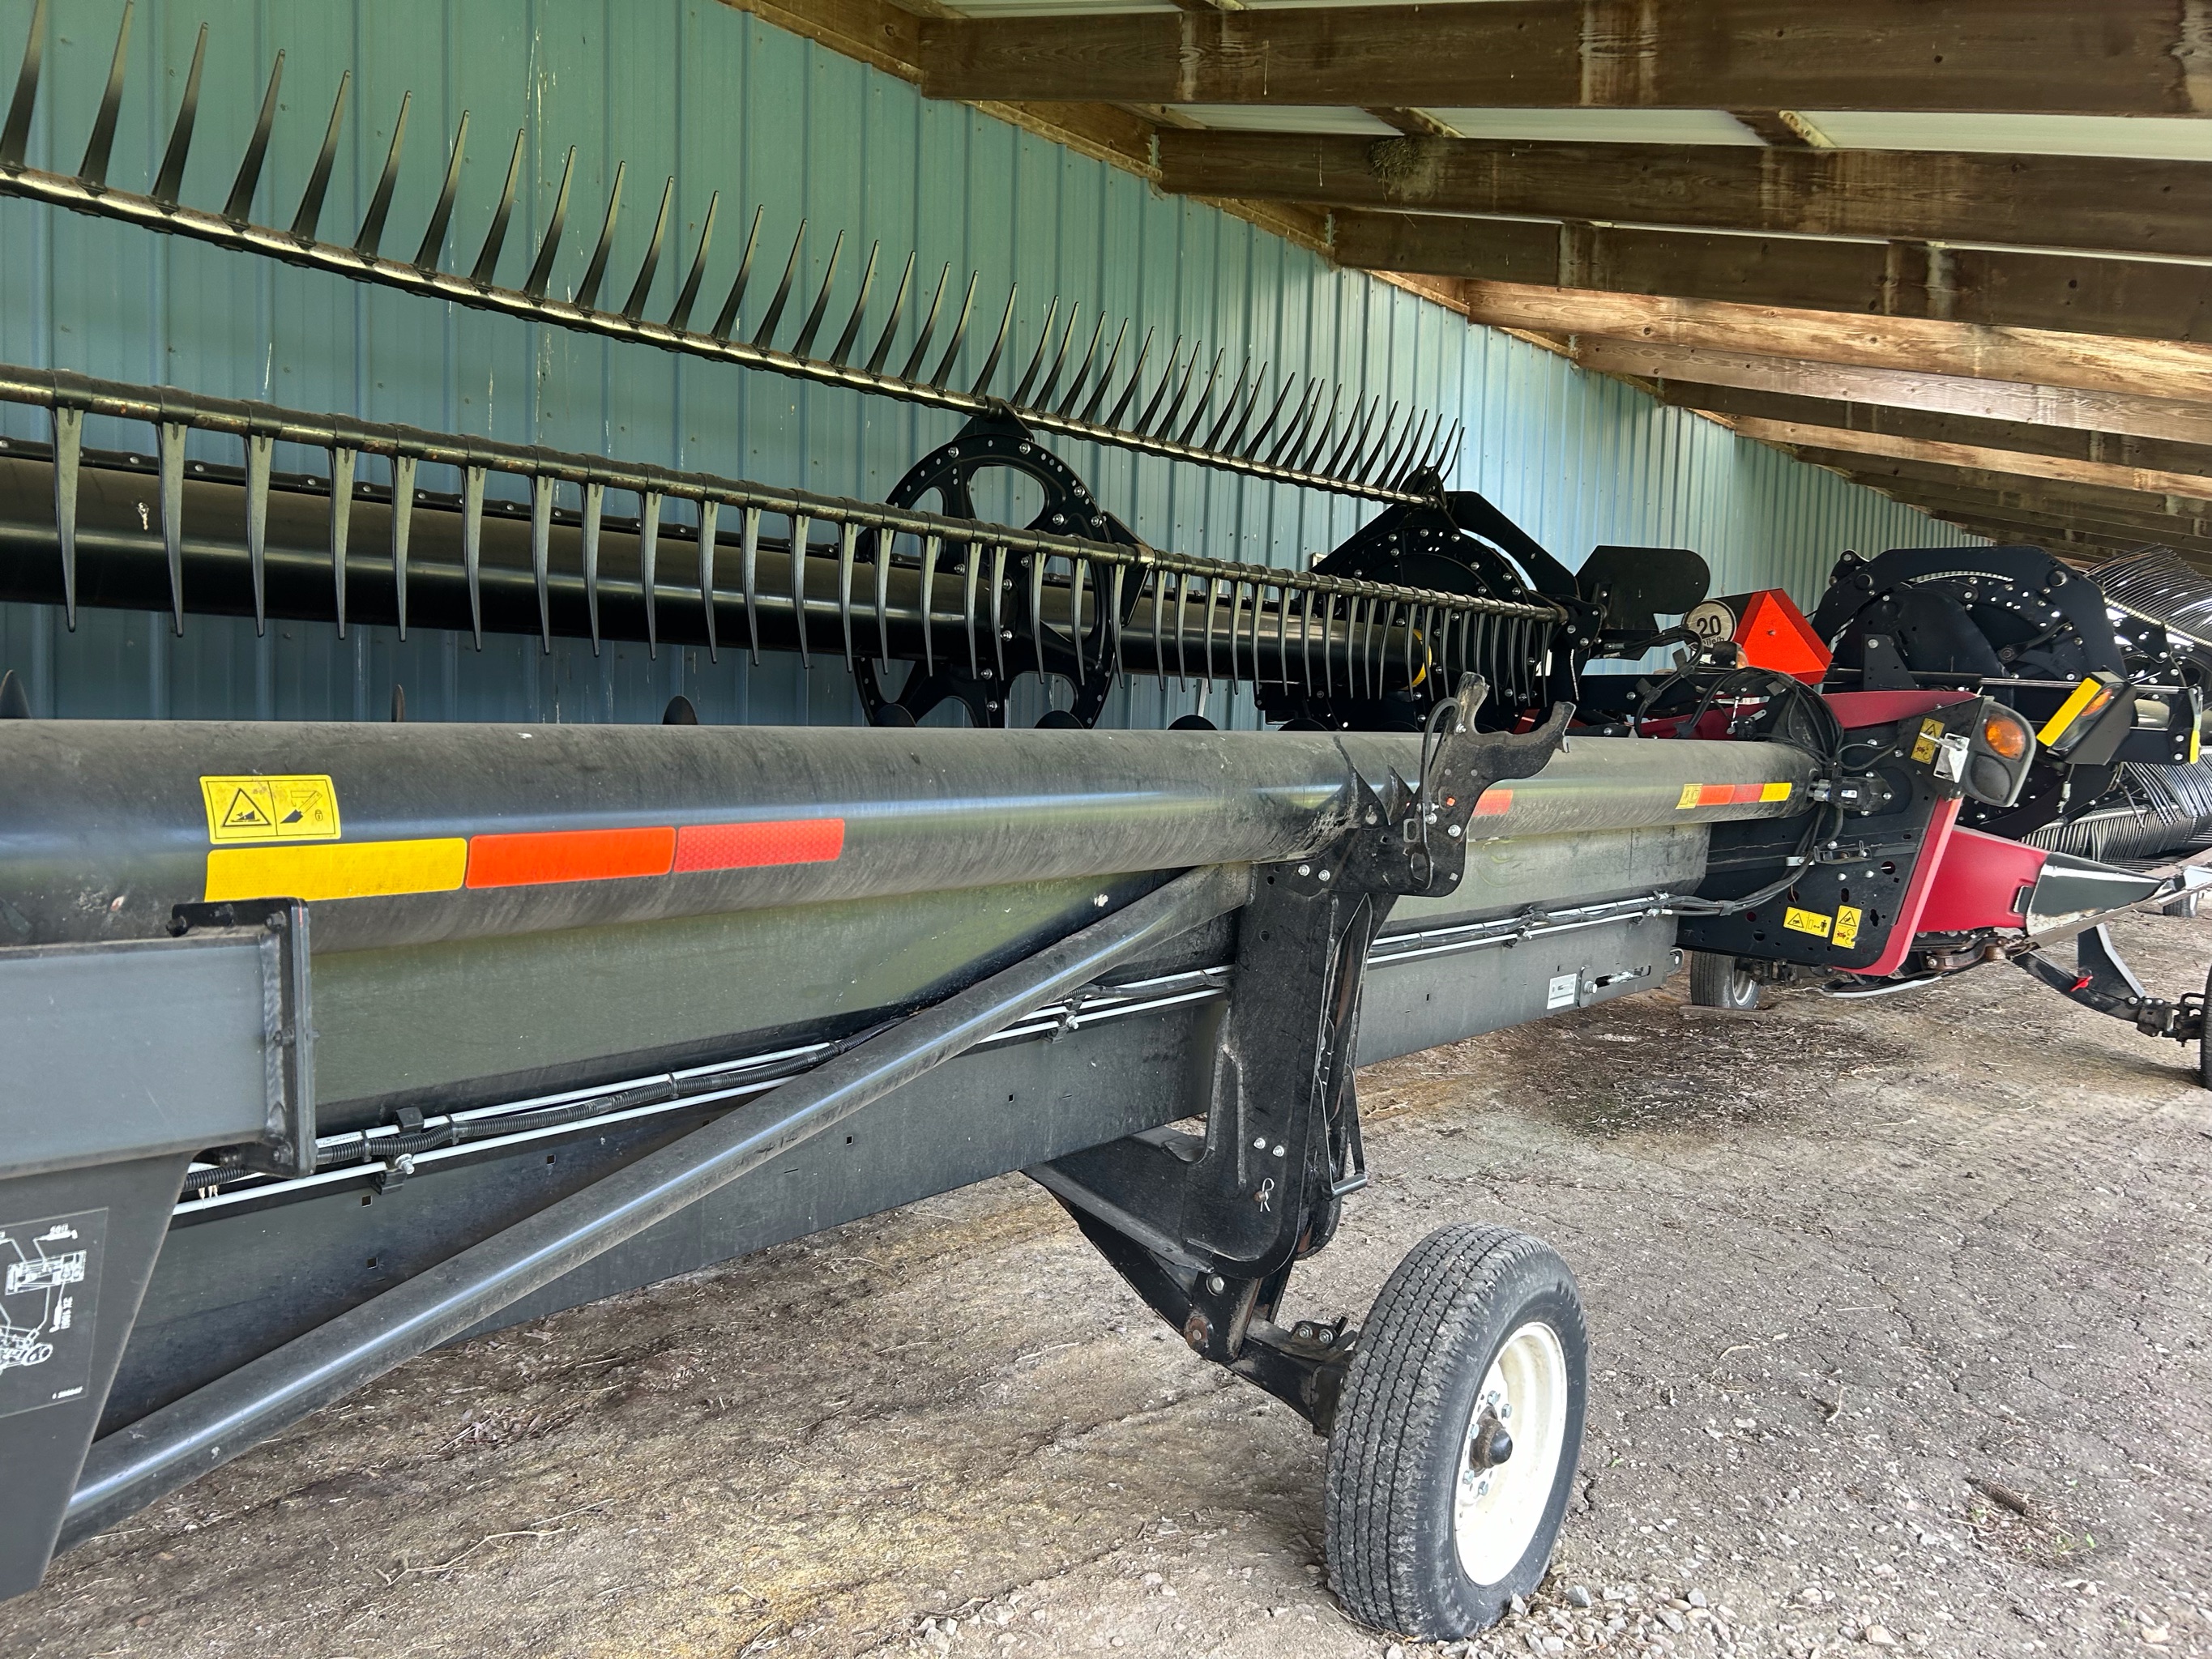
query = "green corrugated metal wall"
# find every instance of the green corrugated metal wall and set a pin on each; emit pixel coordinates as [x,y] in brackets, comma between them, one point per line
[725,102]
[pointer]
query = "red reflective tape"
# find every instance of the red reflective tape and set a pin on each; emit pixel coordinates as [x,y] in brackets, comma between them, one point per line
[1716,794]
[1492,802]
[1746,791]
[532,859]
[748,846]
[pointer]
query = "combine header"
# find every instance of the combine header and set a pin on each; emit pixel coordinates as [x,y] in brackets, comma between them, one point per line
[522,1016]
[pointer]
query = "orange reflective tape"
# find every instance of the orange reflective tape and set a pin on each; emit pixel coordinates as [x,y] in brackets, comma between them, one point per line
[1748,792]
[1716,794]
[1492,802]
[534,858]
[750,846]
[337,870]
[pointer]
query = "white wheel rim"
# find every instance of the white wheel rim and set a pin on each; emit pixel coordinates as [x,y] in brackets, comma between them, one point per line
[1497,1510]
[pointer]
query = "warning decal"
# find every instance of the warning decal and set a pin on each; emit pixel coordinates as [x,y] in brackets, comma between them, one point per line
[1806,921]
[270,808]
[49,1290]
[1924,746]
[1847,927]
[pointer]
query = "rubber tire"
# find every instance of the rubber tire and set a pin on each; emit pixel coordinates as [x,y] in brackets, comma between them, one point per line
[1402,1424]
[1717,982]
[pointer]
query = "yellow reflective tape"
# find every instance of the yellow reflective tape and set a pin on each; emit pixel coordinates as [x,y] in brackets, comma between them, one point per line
[270,808]
[1775,792]
[1690,793]
[2082,696]
[362,869]
[1847,927]
[2196,742]
[1805,921]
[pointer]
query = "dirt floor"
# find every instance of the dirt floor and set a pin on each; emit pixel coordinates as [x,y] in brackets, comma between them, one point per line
[1901,1315]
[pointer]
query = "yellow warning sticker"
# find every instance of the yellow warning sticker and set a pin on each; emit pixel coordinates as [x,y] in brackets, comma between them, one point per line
[1924,746]
[270,808]
[1690,793]
[1806,921]
[1847,927]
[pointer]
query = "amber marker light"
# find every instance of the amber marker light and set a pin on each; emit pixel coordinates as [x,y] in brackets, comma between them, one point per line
[2006,737]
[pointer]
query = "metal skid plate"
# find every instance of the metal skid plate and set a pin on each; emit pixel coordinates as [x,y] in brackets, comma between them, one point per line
[123,1060]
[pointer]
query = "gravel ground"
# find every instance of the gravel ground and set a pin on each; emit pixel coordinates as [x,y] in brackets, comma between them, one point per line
[1900,1315]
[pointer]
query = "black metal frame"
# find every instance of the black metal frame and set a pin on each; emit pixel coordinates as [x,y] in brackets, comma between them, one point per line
[1207,1230]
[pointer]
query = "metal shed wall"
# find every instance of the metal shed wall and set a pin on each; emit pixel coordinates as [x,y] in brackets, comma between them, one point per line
[726,103]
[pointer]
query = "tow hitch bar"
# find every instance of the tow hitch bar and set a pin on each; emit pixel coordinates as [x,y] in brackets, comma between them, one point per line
[2101,981]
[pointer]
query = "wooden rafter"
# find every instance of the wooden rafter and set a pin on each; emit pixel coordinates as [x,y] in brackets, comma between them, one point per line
[2143,299]
[2113,58]
[1975,458]
[1737,403]
[2086,362]
[2118,205]
[1997,400]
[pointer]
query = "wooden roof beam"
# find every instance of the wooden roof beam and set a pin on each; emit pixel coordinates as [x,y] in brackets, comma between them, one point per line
[2008,463]
[2175,515]
[1951,394]
[1836,414]
[2088,362]
[2118,204]
[2142,298]
[2114,57]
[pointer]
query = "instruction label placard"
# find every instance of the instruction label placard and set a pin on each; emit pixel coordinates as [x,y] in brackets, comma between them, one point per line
[49,1285]
[270,808]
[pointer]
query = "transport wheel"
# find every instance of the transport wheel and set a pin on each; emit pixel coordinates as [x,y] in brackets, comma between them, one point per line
[1716,982]
[1456,1439]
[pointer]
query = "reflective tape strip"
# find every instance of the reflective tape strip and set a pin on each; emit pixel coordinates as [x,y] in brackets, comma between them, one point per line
[750,846]
[1730,794]
[1774,791]
[535,858]
[2083,695]
[1493,802]
[327,870]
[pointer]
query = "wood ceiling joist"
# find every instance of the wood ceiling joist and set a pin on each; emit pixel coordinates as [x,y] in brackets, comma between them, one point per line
[2123,205]
[1994,400]
[1973,458]
[2048,531]
[2174,514]
[2110,57]
[2142,298]
[2086,362]
[2019,524]
[2055,442]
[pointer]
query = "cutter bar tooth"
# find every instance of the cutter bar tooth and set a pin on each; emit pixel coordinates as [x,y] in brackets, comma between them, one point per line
[69,456]
[680,318]
[595,501]
[403,520]
[260,449]
[170,443]
[92,173]
[634,307]
[318,176]
[851,330]
[595,269]
[441,215]
[472,495]
[548,246]
[15,135]
[379,201]
[344,461]
[749,574]
[171,179]
[805,343]
[727,319]
[648,556]
[709,511]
